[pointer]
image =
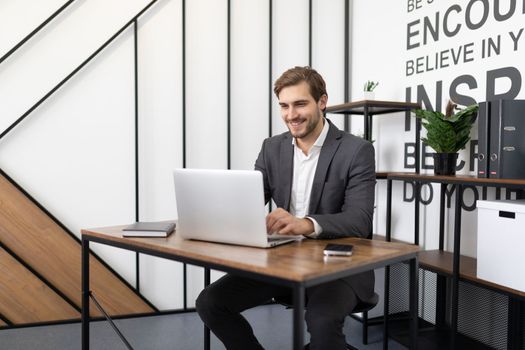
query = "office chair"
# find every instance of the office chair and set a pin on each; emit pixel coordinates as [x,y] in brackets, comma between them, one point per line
[363,307]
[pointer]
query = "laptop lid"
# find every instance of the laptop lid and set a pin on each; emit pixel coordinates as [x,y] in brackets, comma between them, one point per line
[225,206]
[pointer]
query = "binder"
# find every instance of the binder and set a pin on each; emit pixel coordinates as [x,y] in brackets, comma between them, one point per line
[494,131]
[483,138]
[507,139]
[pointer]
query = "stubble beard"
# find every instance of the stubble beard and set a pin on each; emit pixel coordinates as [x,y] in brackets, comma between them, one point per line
[310,127]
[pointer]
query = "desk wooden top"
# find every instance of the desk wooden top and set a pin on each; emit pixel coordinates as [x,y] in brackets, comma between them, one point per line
[301,261]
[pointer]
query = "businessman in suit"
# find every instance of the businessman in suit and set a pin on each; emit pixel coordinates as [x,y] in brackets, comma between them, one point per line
[322,181]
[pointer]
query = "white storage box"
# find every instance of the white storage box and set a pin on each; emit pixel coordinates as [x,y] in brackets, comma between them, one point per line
[501,242]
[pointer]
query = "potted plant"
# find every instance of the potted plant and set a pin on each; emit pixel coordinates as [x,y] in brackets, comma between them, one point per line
[447,134]
[369,89]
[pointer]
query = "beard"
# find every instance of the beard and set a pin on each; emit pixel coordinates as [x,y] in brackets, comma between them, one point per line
[309,128]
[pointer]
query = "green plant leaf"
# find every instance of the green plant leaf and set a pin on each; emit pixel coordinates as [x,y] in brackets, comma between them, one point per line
[447,134]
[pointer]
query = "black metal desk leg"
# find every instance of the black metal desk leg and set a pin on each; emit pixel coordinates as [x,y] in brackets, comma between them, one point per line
[298,317]
[85,294]
[455,266]
[206,329]
[414,289]
[387,268]
[185,286]
[386,307]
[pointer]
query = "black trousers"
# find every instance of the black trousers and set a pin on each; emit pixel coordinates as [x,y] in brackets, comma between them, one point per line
[221,303]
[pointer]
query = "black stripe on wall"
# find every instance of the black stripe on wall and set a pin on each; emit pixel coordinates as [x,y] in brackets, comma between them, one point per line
[184,267]
[310,33]
[347,62]
[228,108]
[36,30]
[136,87]
[183,83]
[137,214]
[270,62]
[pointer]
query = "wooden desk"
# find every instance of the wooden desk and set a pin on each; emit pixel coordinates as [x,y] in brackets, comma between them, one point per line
[298,265]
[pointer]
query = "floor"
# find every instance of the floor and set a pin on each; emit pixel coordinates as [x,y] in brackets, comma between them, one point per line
[178,331]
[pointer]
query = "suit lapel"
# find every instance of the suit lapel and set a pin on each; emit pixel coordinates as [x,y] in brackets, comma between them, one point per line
[286,166]
[330,146]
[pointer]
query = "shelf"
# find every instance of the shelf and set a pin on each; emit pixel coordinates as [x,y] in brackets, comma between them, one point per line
[373,106]
[456,179]
[441,263]
[430,337]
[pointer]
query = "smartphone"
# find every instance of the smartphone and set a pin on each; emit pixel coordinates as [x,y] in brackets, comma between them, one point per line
[338,249]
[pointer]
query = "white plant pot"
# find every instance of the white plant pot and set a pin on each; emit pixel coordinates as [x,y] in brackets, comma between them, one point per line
[369,95]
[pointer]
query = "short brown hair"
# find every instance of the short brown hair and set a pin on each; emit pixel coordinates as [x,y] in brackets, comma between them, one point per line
[296,75]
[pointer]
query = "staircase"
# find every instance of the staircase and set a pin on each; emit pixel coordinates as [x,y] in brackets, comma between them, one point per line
[40,259]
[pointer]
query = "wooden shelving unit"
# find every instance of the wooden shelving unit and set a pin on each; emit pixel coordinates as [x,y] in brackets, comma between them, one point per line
[374,107]
[457,179]
[452,264]
[381,175]
[446,264]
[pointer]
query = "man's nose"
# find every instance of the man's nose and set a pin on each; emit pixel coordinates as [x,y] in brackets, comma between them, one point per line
[292,113]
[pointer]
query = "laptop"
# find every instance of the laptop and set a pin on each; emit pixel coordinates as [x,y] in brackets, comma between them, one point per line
[225,206]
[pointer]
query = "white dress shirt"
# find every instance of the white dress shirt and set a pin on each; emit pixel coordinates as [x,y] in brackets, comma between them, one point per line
[304,166]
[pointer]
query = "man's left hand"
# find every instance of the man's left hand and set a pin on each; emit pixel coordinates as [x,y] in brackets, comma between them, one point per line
[282,222]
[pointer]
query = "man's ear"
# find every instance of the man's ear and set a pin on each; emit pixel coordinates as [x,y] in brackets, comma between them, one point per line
[322,102]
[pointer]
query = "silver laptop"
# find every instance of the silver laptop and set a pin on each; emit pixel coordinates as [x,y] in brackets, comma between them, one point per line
[225,206]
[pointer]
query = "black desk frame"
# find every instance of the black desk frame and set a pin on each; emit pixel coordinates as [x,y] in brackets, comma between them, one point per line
[298,287]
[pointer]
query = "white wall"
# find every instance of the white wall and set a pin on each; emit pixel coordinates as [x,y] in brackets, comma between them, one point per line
[75,153]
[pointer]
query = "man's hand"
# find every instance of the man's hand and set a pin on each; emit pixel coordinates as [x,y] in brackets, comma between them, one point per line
[282,222]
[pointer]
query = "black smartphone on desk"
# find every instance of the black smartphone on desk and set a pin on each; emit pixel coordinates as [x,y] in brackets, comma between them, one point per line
[338,249]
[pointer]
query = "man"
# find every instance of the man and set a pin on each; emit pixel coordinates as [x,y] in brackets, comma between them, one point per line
[322,181]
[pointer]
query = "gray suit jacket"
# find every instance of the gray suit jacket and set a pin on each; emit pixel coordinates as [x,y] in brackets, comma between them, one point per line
[342,197]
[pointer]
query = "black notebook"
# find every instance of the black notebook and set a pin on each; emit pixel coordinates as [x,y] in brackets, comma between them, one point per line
[149,229]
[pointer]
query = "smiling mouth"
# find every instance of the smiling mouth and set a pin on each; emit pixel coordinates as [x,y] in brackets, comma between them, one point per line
[296,123]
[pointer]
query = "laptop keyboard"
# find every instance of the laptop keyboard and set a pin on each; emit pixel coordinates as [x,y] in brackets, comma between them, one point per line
[276,239]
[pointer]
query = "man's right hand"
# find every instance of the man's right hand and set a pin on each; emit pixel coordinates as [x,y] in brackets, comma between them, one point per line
[282,222]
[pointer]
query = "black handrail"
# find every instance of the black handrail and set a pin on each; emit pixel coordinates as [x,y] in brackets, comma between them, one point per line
[36,30]
[76,70]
